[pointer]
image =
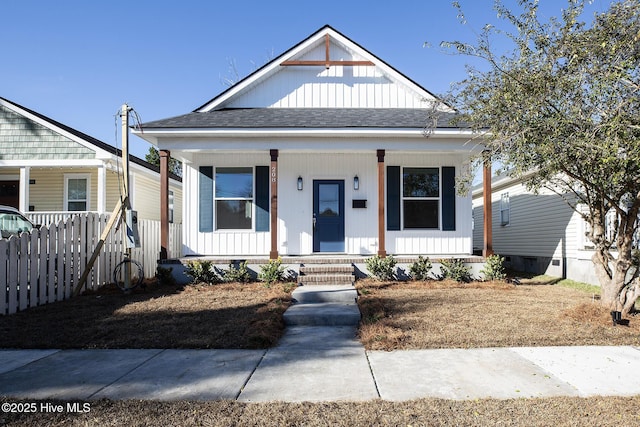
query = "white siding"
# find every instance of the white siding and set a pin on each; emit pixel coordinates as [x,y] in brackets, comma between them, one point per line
[433,242]
[218,242]
[336,87]
[539,224]
[295,208]
[542,226]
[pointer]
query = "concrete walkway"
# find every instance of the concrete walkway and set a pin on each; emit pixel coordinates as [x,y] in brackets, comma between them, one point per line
[323,365]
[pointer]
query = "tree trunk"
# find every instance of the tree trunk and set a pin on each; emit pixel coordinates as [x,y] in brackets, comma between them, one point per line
[615,294]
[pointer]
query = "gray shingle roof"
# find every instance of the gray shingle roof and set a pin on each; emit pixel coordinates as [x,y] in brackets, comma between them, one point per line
[315,118]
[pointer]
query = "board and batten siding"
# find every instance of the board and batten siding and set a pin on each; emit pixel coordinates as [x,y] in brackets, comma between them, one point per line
[195,242]
[421,242]
[295,208]
[335,87]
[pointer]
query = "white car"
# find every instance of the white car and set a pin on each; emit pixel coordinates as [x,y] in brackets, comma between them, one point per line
[13,222]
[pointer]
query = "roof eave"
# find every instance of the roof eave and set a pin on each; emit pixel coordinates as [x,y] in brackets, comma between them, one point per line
[155,133]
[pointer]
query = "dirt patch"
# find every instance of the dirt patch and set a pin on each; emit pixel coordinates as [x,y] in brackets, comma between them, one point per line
[447,314]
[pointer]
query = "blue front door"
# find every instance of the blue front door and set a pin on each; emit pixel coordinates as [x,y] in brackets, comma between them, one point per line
[328,216]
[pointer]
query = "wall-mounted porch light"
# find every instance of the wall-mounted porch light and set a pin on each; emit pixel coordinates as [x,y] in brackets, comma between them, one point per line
[356,183]
[299,183]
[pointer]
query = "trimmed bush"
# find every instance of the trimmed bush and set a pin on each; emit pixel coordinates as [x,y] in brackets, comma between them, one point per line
[238,274]
[202,271]
[164,276]
[420,269]
[456,270]
[272,272]
[494,268]
[381,268]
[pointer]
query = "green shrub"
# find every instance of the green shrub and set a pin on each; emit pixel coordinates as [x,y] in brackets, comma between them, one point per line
[272,272]
[494,268]
[456,270]
[238,274]
[202,271]
[164,276]
[381,268]
[420,269]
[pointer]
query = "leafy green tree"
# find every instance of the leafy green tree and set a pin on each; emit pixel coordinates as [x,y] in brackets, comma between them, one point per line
[564,103]
[153,157]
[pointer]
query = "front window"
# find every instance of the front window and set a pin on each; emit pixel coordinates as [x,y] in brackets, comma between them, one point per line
[171,202]
[77,192]
[505,209]
[234,198]
[421,198]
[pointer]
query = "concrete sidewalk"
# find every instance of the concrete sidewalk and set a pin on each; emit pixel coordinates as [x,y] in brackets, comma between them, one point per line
[329,367]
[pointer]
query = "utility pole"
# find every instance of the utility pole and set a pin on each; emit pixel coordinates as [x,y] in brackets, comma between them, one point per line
[124,118]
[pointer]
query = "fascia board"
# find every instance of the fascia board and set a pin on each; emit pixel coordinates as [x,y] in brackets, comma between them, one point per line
[53,163]
[180,133]
[261,73]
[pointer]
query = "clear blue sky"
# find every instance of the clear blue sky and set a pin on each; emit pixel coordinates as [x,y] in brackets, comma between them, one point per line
[78,61]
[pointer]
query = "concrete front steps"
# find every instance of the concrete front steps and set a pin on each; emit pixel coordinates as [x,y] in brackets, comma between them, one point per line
[326,274]
[323,305]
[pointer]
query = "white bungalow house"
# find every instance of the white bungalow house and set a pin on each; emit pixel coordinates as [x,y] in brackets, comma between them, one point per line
[50,171]
[326,149]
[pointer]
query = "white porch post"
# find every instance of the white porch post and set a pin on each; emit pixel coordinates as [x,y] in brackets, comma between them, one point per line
[24,189]
[102,189]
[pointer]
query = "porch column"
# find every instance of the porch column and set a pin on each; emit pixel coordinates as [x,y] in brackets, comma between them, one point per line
[102,189]
[382,252]
[23,195]
[273,254]
[486,194]
[165,155]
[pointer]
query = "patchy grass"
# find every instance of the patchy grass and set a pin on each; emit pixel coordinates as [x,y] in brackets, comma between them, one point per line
[196,316]
[447,314]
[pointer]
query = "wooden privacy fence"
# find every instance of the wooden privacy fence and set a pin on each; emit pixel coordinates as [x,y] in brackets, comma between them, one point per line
[45,265]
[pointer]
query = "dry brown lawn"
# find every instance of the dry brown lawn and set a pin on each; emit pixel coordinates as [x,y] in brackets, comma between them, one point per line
[395,316]
[432,314]
[196,316]
[561,411]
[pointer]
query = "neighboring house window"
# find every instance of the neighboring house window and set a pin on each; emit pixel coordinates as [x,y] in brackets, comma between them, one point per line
[233,198]
[76,192]
[171,207]
[505,209]
[421,198]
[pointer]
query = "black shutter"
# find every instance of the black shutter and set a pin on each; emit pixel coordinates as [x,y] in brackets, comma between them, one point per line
[448,198]
[205,198]
[262,198]
[393,197]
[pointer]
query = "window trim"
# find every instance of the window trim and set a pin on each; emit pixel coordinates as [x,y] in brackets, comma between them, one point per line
[70,176]
[438,199]
[250,199]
